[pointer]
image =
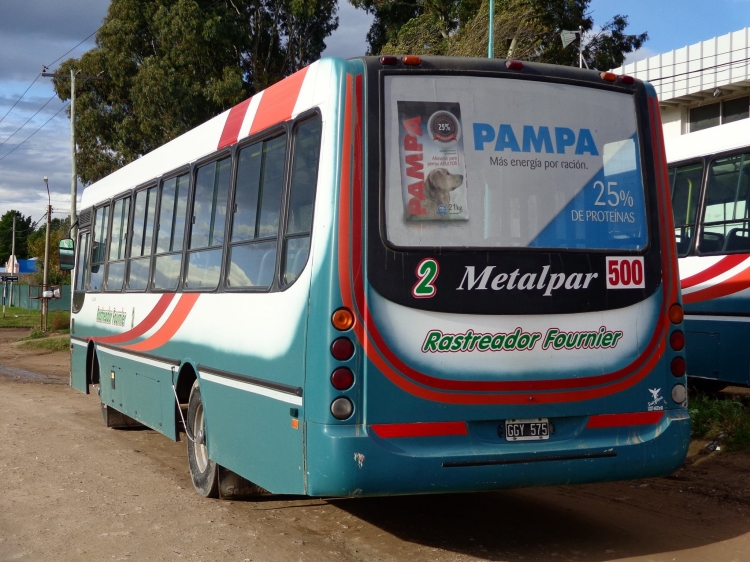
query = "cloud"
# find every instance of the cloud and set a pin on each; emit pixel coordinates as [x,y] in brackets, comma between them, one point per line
[350,39]
[36,32]
[640,54]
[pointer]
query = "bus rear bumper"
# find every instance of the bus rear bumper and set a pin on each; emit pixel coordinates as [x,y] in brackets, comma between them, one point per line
[350,460]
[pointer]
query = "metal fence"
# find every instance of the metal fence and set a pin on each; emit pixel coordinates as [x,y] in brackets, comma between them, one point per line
[21,298]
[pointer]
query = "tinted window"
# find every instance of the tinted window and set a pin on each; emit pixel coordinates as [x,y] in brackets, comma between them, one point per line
[301,198]
[140,245]
[99,248]
[116,270]
[725,216]
[171,233]
[207,231]
[259,184]
[685,182]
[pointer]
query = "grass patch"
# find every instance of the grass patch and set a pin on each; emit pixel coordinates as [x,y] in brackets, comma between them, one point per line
[50,345]
[19,318]
[713,416]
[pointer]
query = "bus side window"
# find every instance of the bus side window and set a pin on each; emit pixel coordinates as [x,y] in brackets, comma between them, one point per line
[301,198]
[116,260]
[685,182]
[99,248]
[170,233]
[260,180]
[725,217]
[140,242]
[82,266]
[207,230]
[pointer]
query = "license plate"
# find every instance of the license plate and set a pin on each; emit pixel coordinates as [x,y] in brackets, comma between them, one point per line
[534,429]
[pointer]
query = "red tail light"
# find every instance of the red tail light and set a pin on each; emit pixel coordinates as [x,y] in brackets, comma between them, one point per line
[678,366]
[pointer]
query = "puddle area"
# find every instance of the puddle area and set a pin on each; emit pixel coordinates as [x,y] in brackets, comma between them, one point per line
[21,375]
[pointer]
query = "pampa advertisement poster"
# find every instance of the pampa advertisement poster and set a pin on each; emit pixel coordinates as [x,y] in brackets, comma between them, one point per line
[433,172]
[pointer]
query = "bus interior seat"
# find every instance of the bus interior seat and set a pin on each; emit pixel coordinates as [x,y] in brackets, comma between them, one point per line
[265,271]
[738,239]
[682,242]
[711,242]
[300,257]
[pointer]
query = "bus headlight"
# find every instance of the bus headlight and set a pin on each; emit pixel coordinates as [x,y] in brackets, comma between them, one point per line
[342,408]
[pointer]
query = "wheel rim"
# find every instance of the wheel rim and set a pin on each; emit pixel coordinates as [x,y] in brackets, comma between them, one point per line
[199,428]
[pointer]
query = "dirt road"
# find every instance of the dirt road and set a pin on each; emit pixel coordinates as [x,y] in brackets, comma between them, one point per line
[74,490]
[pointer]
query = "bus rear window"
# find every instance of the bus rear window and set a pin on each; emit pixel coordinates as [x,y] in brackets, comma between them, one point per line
[496,163]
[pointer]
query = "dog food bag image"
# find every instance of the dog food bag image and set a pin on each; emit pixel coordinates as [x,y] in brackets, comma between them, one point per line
[433,173]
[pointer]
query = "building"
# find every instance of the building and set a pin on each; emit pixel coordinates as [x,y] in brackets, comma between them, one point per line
[702,85]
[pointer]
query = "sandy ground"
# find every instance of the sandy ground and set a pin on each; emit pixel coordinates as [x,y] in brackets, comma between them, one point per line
[74,490]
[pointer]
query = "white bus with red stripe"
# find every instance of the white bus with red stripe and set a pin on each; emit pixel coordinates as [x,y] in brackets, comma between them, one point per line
[395,275]
[709,173]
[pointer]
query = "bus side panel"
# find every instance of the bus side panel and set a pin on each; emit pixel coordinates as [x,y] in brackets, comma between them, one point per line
[140,391]
[257,440]
[78,365]
[250,365]
[718,350]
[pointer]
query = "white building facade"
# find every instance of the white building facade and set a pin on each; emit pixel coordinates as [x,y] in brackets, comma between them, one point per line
[700,86]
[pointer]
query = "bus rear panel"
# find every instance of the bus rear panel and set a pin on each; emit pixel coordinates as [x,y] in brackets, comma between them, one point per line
[504,247]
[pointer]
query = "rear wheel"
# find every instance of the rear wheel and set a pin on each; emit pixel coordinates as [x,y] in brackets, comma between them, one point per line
[204,471]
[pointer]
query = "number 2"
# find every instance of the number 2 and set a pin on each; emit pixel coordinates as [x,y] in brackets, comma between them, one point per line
[427,271]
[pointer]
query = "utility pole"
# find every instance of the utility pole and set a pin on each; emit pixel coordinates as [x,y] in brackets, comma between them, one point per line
[73,175]
[491,43]
[14,260]
[45,300]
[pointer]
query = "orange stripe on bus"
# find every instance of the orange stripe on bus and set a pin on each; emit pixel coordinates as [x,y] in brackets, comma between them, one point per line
[170,327]
[144,326]
[278,102]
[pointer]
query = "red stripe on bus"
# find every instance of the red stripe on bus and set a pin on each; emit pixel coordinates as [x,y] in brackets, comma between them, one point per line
[722,266]
[144,326]
[232,126]
[430,429]
[377,351]
[170,327]
[278,102]
[624,420]
[734,284]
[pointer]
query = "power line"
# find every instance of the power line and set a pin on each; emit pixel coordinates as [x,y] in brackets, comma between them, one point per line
[704,69]
[678,79]
[35,132]
[681,62]
[29,119]
[19,99]
[74,48]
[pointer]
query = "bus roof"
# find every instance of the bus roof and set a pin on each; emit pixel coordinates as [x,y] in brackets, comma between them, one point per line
[307,88]
[708,141]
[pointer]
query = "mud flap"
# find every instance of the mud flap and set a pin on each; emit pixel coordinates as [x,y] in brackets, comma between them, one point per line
[232,486]
[117,420]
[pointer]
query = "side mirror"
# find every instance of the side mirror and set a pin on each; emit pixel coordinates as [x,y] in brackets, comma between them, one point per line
[67,254]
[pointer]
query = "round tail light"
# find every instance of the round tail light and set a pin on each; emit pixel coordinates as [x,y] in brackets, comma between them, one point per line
[678,366]
[679,393]
[342,319]
[342,349]
[342,379]
[341,408]
[676,314]
[677,340]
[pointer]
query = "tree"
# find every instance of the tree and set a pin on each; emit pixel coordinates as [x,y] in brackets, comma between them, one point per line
[170,65]
[59,228]
[23,229]
[526,29]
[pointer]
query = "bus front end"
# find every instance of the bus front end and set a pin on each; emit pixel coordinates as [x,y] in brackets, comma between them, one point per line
[503,306]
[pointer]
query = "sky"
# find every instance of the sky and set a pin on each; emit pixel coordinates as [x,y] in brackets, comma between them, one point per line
[38,32]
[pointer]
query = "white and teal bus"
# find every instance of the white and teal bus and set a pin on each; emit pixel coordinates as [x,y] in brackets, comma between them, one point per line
[395,275]
[709,174]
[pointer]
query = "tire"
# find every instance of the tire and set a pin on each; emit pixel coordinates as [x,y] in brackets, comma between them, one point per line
[203,471]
